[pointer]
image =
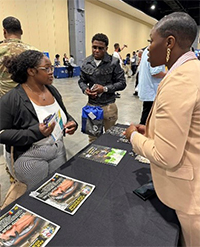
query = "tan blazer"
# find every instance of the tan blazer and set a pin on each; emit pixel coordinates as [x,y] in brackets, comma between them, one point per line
[173,143]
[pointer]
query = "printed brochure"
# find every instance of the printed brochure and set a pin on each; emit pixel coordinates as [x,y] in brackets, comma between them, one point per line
[106,155]
[64,193]
[59,127]
[21,227]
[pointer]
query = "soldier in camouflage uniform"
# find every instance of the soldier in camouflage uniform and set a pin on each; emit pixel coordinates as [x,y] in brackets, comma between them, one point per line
[12,45]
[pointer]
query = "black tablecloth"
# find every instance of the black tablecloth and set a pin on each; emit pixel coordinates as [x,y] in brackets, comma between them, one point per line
[113,215]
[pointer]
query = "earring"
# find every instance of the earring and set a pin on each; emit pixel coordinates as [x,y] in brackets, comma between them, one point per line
[168,54]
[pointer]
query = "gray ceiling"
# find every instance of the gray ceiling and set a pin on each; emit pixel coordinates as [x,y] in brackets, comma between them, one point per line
[165,7]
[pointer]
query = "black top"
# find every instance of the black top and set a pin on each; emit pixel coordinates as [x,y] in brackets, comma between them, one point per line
[19,124]
[108,73]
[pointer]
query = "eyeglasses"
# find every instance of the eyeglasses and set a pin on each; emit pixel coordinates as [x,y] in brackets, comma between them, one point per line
[100,48]
[48,69]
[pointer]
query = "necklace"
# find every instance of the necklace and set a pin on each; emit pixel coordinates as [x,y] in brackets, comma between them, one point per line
[40,95]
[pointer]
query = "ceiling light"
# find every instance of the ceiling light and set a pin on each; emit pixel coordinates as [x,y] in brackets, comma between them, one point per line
[153,6]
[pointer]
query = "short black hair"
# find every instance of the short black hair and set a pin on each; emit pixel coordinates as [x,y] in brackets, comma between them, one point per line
[57,55]
[180,25]
[116,45]
[17,65]
[101,37]
[12,25]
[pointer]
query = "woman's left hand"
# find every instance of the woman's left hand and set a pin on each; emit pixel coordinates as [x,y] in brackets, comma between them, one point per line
[70,127]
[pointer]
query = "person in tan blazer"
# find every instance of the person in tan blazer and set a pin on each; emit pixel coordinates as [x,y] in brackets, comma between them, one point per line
[171,138]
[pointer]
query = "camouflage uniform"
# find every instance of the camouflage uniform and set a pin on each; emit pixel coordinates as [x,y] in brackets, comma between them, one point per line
[10,47]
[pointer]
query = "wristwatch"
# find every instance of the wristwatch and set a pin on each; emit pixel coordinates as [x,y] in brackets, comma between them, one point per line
[105,89]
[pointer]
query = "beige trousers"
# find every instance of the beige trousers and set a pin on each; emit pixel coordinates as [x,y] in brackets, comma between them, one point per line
[190,226]
[110,116]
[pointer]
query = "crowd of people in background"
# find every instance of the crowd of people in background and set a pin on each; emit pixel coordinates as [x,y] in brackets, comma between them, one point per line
[67,62]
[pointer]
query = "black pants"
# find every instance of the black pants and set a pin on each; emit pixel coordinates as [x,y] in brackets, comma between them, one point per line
[137,79]
[145,111]
[133,68]
[70,71]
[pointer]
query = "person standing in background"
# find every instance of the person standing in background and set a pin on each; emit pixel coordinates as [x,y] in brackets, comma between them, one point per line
[117,52]
[57,60]
[128,65]
[65,60]
[12,45]
[102,72]
[117,55]
[71,66]
[149,79]
[139,57]
[133,63]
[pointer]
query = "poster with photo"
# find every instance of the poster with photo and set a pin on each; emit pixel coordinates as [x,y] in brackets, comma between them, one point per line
[64,193]
[102,154]
[21,227]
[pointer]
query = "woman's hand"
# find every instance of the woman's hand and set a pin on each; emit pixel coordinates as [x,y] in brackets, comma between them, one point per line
[70,127]
[141,128]
[46,131]
[130,130]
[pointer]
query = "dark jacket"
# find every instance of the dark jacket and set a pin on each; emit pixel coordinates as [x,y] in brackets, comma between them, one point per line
[19,124]
[109,73]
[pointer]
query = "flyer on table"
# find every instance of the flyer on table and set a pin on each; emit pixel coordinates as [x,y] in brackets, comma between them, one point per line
[21,227]
[102,154]
[64,193]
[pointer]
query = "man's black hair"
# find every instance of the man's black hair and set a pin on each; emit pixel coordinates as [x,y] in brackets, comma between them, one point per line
[180,25]
[100,37]
[116,45]
[12,25]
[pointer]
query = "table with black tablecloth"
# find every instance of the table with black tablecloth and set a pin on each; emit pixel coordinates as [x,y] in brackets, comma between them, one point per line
[113,215]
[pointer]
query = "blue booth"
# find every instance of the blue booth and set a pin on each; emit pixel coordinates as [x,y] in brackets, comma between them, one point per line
[61,72]
[76,71]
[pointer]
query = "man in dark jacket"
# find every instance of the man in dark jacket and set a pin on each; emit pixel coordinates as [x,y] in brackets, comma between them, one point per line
[101,76]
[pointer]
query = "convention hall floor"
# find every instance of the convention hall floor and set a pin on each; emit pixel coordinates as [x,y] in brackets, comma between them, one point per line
[129,108]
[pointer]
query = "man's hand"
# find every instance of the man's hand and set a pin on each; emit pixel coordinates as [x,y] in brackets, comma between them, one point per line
[98,89]
[46,131]
[70,127]
[90,93]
